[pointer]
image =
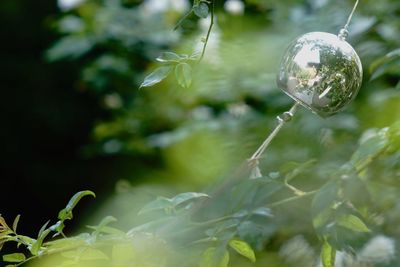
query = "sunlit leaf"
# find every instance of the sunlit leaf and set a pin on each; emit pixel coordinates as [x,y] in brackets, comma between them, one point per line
[15,223]
[85,254]
[66,243]
[104,228]
[353,223]
[14,257]
[156,76]
[3,224]
[168,57]
[123,252]
[212,258]
[393,135]
[183,74]
[328,255]
[243,249]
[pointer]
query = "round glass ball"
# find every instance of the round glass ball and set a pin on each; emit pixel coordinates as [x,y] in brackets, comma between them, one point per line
[320,71]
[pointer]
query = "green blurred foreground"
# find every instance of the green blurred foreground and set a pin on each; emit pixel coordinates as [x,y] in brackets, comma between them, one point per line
[330,187]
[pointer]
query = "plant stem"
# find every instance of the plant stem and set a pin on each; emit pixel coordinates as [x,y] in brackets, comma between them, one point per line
[291,199]
[208,32]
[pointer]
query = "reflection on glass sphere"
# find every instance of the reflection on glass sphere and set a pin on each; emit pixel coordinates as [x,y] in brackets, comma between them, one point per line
[321,72]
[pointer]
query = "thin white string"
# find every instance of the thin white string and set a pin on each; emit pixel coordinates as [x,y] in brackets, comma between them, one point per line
[346,26]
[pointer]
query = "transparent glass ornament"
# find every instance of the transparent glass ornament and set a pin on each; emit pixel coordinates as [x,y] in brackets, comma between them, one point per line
[321,71]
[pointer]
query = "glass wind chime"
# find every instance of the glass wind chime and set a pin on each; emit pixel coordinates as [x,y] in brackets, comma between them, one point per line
[320,71]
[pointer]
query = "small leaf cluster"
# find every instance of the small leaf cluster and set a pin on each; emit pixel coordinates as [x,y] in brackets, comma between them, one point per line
[36,245]
[171,62]
[181,65]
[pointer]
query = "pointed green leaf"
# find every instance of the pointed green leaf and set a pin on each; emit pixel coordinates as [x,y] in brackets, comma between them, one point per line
[201,10]
[189,196]
[225,260]
[167,57]
[323,202]
[328,255]
[183,74]
[156,76]
[210,258]
[390,63]
[14,257]
[353,223]
[243,249]
[36,246]
[370,149]
[15,223]
[66,213]
[3,224]
[158,204]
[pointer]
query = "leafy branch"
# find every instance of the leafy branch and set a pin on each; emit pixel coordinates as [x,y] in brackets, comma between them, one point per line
[337,215]
[182,64]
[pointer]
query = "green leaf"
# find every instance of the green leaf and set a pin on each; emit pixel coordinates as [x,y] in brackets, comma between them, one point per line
[211,258]
[262,211]
[15,223]
[93,254]
[85,254]
[156,76]
[66,213]
[183,74]
[64,244]
[185,197]
[103,227]
[168,57]
[243,249]
[394,137]
[353,223]
[106,221]
[123,252]
[158,204]
[390,63]
[201,10]
[328,255]
[36,246]
[58,227]
[14,257]
[72,47]
[225,260]
[3,224]
[324,200]
[370,149]
[355,190]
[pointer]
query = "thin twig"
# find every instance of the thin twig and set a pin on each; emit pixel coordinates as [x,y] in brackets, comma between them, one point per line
[208,32]
[291,199]
[182,19]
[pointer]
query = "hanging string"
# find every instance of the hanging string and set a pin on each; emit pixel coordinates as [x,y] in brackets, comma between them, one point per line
[282,119]
[344,32]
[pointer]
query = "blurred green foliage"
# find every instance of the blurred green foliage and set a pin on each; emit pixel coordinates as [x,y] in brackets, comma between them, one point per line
[192,129]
